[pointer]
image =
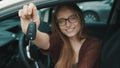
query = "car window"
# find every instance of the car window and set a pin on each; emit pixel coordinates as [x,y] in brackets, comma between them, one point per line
[44,14]
[96,12]
[92,14]
[95,18]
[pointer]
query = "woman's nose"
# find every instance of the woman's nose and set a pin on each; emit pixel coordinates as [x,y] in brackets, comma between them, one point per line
[68,23]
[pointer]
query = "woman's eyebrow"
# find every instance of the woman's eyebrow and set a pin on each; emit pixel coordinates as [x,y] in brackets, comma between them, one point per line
[67,17]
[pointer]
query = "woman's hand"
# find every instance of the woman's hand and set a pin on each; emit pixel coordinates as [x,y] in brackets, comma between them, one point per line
[28,14]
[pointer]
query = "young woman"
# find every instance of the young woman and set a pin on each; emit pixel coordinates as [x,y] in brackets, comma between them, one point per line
[68,45]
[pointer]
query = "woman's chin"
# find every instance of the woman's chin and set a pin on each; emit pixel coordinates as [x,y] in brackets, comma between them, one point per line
[70,35]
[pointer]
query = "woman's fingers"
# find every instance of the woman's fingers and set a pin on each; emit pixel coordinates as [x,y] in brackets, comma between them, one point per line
[29,13]
[25,10]
[30,8]
[21,15]
[34,13]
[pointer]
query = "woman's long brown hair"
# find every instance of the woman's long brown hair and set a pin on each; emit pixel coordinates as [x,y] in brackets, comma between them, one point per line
[67,55]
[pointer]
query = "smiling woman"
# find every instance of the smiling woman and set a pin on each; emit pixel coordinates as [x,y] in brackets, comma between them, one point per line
[67,44]
[68,23]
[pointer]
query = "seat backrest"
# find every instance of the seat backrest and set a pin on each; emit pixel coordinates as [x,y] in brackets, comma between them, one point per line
[110,56]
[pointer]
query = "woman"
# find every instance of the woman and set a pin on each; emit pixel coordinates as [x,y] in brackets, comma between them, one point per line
[68,45]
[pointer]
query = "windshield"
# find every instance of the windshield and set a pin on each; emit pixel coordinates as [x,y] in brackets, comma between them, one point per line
[5,3]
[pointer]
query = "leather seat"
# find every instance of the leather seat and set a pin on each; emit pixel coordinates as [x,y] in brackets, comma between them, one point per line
[110,56]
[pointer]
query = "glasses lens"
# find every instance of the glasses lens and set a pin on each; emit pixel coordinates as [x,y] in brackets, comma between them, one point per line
[61,21]
[73,18]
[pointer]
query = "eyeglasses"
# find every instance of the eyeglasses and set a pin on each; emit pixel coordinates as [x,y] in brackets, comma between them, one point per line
[71,19]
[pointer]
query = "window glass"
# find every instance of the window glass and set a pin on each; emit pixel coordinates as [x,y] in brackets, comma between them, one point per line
[96,12]
[92,15]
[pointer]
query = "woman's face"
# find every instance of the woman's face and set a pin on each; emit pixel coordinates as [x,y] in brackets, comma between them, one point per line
[69,22]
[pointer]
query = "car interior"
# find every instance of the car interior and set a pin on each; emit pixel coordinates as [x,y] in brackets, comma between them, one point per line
[13,42]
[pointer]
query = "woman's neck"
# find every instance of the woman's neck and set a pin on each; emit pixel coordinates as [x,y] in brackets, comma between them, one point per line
[76,45]
[74,40]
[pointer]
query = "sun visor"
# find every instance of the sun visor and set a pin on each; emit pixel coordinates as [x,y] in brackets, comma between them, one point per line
[6,37]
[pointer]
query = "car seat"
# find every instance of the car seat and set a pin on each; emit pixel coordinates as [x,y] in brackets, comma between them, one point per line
[110,56]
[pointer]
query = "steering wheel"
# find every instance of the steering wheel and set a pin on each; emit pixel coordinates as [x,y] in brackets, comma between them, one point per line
[23,43]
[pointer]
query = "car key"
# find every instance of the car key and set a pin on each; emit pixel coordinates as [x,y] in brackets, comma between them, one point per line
[31,31]
[30,35]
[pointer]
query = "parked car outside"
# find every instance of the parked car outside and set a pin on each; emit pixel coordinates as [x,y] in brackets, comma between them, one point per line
[96,11]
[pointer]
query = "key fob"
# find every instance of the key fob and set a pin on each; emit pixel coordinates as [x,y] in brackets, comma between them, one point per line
[31,31]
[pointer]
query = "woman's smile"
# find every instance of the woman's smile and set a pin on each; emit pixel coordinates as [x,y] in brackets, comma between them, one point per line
[70,29]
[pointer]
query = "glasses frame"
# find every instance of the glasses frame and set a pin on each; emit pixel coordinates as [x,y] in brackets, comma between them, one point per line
[68,19]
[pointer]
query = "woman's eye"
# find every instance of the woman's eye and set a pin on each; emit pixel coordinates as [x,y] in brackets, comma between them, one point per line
[73,17]
[61,21]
